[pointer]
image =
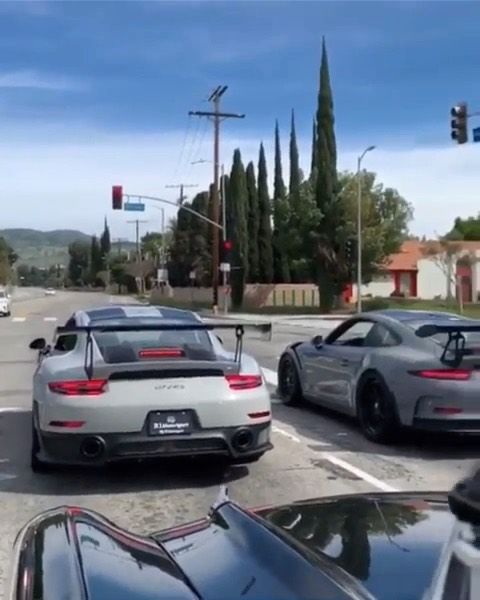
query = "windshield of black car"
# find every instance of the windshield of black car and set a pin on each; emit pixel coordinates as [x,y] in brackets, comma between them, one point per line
[125,346]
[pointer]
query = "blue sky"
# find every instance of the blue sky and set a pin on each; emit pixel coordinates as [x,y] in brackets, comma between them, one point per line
[94,93]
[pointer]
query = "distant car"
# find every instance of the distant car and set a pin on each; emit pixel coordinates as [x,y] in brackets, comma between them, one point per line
[390,369]
[50,292]
[5,308]
[136,381]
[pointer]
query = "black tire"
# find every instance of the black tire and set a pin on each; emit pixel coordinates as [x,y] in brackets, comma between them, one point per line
[289,387]
[37,465]
[376,411]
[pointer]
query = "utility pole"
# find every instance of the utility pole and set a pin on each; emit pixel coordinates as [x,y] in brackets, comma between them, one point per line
[137,237]
[182,186]
[217,116]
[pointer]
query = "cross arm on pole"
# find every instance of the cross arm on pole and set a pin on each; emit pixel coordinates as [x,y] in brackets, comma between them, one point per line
[221,115]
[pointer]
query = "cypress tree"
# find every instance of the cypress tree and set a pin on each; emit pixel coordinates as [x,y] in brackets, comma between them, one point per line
[295,178]
[280,218]
[238,197]
[313,164]
[265,250]
[105,244]
[253,223]
[329,234]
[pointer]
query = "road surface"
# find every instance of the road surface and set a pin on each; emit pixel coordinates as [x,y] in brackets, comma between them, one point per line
[316,452]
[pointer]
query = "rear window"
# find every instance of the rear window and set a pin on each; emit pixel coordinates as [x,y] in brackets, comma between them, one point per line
[126,346]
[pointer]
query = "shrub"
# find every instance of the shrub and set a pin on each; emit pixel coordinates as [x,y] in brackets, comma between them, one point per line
[376,304]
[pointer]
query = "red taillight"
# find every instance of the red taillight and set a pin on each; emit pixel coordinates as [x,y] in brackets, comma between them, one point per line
[447,410]
[243,382]
[67,424]
[86,387]
[161,353]
[445,374]
[259,415]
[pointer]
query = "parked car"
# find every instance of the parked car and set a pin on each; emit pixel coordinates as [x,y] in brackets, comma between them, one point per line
[373,546]
[50,291]
[5,306]
[391,368]
[123,382]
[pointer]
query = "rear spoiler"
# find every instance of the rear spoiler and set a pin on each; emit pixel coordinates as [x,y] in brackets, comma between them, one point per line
[431,329]
[456,339]
[239,328]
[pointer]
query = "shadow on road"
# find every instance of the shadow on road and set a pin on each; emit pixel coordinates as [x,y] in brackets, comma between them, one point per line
[344,434]
[159,474]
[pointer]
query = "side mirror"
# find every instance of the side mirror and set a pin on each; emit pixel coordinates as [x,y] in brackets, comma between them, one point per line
[317,341]
[38,344]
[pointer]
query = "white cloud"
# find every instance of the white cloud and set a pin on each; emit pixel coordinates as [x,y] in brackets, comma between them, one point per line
[39,81]
[64,181]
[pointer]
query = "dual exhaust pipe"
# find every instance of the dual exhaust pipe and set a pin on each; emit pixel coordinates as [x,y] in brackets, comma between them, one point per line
[93,447]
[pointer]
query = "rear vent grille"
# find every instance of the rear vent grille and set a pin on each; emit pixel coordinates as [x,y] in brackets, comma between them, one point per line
[165,374]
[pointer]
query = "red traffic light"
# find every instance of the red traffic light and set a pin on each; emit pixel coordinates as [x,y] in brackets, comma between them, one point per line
[117,197]
[227,245]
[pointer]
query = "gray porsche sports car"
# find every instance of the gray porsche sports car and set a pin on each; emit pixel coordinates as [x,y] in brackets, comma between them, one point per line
[390,369]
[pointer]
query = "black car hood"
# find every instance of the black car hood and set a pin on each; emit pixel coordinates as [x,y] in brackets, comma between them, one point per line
[391,543]
[362,546]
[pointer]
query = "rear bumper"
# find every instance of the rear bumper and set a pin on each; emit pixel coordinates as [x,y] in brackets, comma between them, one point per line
[62,448]
[471,426]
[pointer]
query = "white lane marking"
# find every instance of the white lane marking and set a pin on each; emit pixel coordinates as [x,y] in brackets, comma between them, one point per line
[286,434]
[8,409]
[49,318]
[270,376]
[343,464]
[5,476]
[18,319]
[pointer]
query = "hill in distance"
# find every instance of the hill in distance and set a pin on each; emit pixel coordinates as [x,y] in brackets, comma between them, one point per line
[46,248]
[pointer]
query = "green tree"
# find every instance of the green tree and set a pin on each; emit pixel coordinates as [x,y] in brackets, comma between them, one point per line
[328,233]
[253,223]
[79,253]
[281,216]
[465,229]
[265,250]
[96,259]
[238,199]
[385,219]
[180,257]
[200,240]
[105,245]
[313,162]
[7,259]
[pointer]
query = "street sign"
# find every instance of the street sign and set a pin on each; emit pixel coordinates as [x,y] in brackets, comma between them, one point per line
[476,134]
[135,206]
[192,275]
[225,267]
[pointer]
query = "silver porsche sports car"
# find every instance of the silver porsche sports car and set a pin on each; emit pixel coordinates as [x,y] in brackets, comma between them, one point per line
[390,369]
[136,381]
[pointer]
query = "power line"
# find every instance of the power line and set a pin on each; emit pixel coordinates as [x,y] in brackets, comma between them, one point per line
[217,117]
[180,156]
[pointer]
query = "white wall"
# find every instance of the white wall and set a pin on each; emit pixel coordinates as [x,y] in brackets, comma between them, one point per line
[383,289]
[431,280]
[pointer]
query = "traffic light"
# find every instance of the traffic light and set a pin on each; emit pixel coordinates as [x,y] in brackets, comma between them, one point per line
[459,123]
[117,197]
[226,251]
[350,250]
[350,254]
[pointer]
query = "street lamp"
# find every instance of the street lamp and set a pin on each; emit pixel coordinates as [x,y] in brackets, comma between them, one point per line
[359,228]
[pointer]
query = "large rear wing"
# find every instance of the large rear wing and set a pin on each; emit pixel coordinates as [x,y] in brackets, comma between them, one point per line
[239,328]
[455,329]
